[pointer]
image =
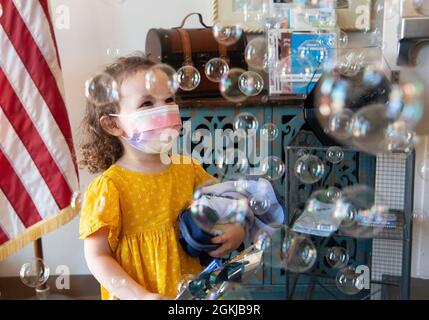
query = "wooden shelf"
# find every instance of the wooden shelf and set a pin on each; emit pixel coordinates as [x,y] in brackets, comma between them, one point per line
[261,100]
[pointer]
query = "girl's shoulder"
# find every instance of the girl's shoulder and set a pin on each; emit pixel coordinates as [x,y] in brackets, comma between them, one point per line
[105,181]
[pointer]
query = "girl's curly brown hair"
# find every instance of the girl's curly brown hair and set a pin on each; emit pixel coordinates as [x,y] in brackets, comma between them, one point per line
[99,150]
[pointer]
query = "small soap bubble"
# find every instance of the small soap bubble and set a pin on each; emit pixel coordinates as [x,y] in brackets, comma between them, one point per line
[102,89]
[309,169]
[227,34]
[337,257]
[188,78]
[273,168]
[256,53]
[161,81]
[269,131]
[215,69]
[251,83]
[229,85]
[348,281]
[335,154]
[259,204]
[34,273]
[246,123]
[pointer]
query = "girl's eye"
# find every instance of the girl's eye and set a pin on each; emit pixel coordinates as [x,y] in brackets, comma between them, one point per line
[146,104]
[169,100]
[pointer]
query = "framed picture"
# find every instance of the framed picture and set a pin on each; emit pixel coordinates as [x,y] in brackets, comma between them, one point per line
[352,15]
[248,13]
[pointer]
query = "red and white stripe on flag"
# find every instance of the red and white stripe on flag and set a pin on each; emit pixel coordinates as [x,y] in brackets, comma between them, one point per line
[38,171]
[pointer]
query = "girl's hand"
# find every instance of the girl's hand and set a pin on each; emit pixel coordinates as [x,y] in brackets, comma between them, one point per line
[233,235]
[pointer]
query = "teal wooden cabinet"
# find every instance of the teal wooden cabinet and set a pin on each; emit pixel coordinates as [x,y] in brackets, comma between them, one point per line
[288,116]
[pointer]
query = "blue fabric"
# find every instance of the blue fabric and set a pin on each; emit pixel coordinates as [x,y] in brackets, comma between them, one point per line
[194,240]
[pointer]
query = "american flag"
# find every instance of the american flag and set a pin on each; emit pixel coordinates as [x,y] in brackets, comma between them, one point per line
[38,172]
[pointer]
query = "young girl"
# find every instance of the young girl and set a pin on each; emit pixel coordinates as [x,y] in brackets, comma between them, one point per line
[129,213]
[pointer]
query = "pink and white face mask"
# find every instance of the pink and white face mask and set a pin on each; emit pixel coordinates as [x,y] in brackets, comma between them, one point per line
[152,130]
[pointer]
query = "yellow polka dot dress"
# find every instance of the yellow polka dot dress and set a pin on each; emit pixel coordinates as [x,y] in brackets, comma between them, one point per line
[141,212]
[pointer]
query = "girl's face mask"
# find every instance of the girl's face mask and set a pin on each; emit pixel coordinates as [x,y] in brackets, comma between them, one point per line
[154,130]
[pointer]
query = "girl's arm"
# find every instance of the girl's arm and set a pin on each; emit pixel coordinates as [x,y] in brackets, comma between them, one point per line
[105,268]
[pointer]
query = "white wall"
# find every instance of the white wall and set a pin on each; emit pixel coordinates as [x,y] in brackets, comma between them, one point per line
[95,26]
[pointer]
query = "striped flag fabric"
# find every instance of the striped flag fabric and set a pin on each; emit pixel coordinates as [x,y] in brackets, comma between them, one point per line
[38,171]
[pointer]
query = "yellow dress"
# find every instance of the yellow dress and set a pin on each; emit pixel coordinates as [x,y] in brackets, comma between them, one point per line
[141,212]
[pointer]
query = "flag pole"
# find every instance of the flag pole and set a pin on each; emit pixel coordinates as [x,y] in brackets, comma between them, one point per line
[42,291]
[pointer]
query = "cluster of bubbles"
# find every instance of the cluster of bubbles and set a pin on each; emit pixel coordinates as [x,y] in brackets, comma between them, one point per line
[363,108]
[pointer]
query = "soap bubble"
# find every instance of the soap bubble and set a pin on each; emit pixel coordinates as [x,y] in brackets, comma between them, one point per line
[350,64]
[335,154]
[34,273]
[309,169]
[203,215]
[246,123]
[256,53]
[113,53]
[348,281]
[301,152]
[315,49]
[215,69]
[259,203]
[102,89]
[184,281]
[188,78]
[251,83]
[234,211]
[337,257]
[227,34]
[299,252]
[399,138]
[339,125]
[361,218]
[229,86]
[241,184]
[421,6]
[342,39]
[295,70]
[333,193]
[329,195]
[423,168]
[76,201]
[270,131]
[273,168]
[161,81]
[368,126]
